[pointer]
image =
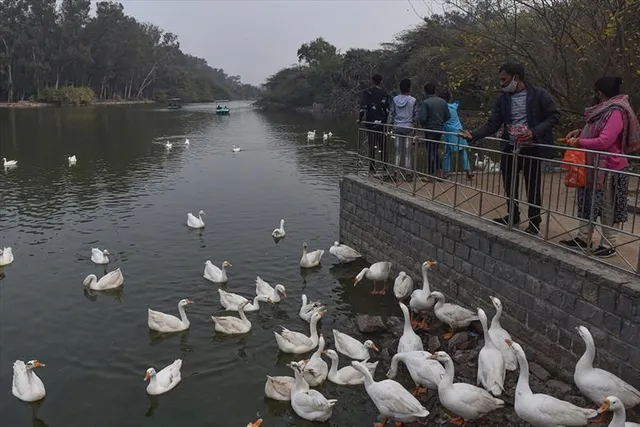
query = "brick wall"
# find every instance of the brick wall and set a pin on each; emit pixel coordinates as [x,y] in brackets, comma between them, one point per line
[546,291]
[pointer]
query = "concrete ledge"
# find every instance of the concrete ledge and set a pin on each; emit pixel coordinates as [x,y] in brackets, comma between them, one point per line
[545,291]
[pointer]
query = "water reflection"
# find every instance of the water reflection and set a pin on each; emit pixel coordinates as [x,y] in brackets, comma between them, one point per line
[93,295]
[35,408]
[153,405]
[156,337]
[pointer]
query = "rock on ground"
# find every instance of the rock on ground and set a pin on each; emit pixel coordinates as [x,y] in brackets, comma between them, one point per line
[370,324]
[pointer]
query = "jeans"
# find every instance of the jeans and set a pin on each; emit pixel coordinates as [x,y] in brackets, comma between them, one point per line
[531,171]
[433,160]
[403,147]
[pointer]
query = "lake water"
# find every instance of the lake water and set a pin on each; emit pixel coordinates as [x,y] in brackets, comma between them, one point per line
[131,196]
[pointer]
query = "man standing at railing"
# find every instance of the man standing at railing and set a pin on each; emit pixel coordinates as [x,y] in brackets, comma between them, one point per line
[533,113]
[434,113]
[374,108]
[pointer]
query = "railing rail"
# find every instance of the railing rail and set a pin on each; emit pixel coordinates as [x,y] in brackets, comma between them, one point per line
[474,183]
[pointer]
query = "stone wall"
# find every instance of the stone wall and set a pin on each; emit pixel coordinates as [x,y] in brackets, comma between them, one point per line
[546,291]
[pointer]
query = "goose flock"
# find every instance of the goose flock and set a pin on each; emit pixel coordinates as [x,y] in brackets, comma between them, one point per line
[428,371]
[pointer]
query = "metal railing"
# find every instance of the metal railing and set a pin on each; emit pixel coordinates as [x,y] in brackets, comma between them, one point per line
[412,161]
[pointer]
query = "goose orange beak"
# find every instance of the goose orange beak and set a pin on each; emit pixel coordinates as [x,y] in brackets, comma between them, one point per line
[373,346]
[257,423]
[604,407]
[509,342]
[189,301]
[38,364]
[146,376]
[355,282]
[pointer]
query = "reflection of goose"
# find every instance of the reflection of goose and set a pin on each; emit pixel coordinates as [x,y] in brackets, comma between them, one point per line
[111,280]
[9,162]
[165,380]
[6,256]
[26,385]
[195,222]
[168,145]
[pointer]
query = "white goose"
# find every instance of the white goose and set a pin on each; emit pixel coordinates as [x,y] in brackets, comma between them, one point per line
[315,369]
[310,259]
[391,398]
[344,253]
[168,145]
[309,404]
[402,286]
[111,280]
[165,380]
[233,325]
[9,162]
[378,272]
[72,160]
[425,372]
[99,257]
[409,341]
[542,410]
[308,308]
[187,142]
[311,134]
[499,336]
[452,314]
[279,233]
[296,342]
[26,385]
[348,375]
[614,405]
[161,322]
[465,400]
[231,301]
[421,300]
[491,370]
[235,149]
[6,256]
[330,134]
[214,273]
[278,388]
[597,384]
[351,347]
[325,137]
[195,222]
[263,288]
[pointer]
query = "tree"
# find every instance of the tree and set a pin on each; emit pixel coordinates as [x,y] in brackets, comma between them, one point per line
[316,51]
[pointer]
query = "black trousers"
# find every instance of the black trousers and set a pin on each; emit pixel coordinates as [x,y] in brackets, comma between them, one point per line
[433,154]
[530,169]
[377,142]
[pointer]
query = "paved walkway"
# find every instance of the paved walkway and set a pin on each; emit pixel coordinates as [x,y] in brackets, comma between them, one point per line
[483,196]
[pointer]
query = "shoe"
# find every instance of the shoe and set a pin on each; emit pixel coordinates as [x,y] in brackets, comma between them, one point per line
[504,220]
[574,243]
[604,252]
[532,229]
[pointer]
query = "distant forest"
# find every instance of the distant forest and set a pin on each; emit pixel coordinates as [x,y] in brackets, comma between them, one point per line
[565,46]
[49,46]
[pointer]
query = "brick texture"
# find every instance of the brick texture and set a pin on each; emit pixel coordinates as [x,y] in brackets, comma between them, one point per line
[546,292]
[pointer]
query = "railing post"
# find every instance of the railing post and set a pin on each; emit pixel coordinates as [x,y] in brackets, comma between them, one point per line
[593,202]
[457,160]
[414,165]
[512,190]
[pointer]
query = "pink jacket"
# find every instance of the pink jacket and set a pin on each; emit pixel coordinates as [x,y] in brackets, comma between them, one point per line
[609,140]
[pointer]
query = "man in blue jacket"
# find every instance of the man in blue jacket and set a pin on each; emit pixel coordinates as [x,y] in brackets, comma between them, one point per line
[526,106]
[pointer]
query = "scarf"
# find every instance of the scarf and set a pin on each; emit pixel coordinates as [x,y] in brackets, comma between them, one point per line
[596,118]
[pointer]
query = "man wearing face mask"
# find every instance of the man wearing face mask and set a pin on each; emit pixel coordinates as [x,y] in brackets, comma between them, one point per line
[533,110]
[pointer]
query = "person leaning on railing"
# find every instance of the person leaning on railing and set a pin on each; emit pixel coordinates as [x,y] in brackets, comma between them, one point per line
[434,113]
[374,108]
[521,105]
[610,126]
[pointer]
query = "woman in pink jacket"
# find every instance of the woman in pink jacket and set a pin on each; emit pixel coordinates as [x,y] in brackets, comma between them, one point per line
[611,126]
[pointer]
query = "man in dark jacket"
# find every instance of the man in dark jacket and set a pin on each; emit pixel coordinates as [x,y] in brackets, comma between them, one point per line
[434,113]
[374,109]
[527,107]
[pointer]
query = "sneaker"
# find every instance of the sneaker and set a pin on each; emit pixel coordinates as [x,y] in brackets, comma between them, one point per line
[532,229]
[504,220]
[574,243]
[604,252]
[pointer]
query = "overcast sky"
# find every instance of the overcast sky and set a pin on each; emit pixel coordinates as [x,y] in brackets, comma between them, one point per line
[256,38]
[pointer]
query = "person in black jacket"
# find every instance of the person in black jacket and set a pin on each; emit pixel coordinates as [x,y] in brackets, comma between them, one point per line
[374,109]
[533,112]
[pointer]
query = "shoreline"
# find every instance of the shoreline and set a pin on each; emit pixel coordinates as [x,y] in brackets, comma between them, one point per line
[35,104]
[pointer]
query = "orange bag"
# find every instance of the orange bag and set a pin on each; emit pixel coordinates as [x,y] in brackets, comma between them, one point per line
[574,176]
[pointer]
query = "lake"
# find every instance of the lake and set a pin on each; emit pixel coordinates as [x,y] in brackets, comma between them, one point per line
[130,195]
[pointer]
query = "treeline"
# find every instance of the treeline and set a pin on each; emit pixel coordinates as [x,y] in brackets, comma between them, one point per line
[565,46]
[49,45]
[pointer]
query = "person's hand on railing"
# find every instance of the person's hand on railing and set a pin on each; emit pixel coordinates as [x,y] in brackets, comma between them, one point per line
[466,135]
[570,141]
[573,134]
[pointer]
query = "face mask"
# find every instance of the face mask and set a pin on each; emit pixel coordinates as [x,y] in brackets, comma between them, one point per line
[511,87]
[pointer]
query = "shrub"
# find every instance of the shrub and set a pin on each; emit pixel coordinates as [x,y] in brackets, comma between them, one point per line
[68,95]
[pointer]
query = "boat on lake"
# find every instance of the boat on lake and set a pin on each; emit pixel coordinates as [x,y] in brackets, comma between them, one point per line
[222,109]
[174,103]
